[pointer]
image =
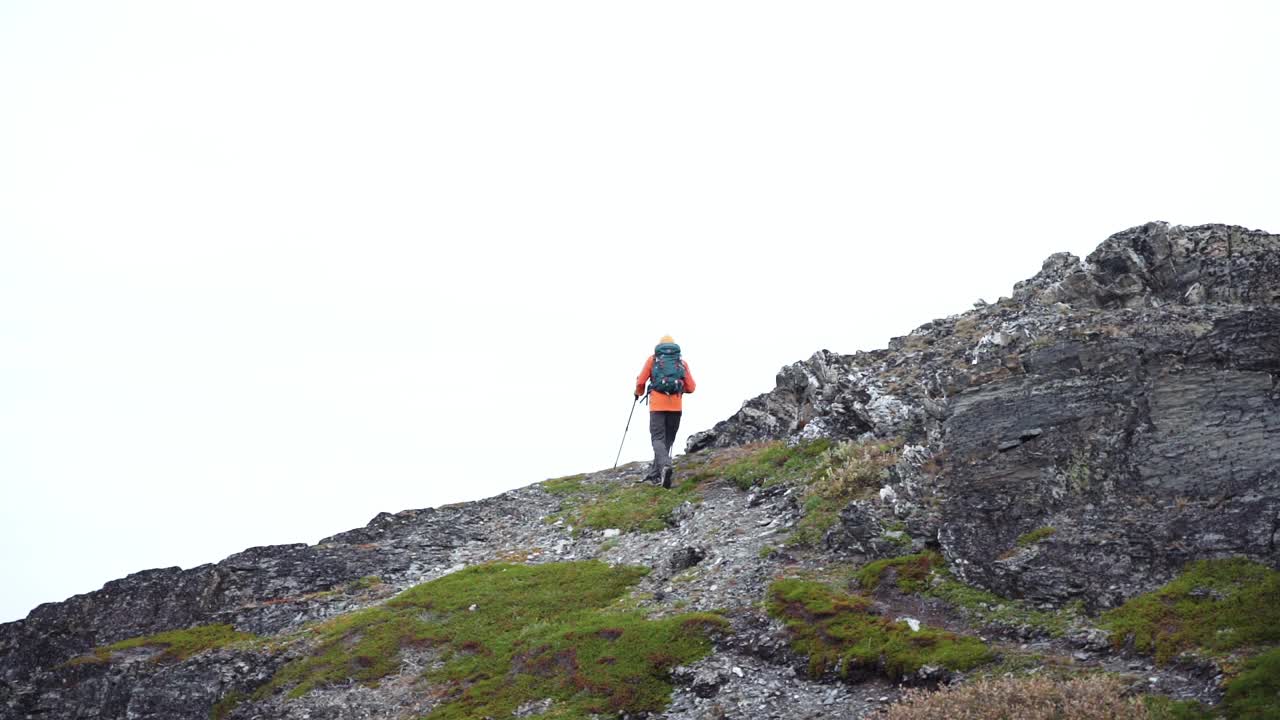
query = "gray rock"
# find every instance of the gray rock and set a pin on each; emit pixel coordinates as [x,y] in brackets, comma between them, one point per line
[686,557]
[1130,401]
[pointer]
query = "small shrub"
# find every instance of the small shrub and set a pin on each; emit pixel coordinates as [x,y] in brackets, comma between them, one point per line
[1078,473]
[224,706]
[1214,606]
[1089,698]
[1254,694]
[1160,707]
[850,469]
[845,472]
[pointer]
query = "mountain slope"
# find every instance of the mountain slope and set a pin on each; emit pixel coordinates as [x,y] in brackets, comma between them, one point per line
[972,500]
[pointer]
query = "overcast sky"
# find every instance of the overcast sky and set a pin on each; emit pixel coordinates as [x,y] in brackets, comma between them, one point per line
[270,268]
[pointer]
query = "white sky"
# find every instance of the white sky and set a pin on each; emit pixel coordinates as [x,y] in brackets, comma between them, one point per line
[269,268]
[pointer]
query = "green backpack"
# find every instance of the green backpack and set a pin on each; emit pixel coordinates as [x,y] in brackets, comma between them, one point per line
[668,372]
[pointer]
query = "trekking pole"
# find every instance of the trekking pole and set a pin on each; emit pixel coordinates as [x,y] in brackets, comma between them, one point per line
[624,432]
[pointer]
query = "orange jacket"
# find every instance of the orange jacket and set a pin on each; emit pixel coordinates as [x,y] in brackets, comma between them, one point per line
[662,402]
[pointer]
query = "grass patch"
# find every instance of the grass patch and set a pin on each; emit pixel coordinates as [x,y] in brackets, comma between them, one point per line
[568,485]
[1213,607]
[629,508]
[927,574]
[776,462]
[838,633]
[643,508]
[844,472]
[176,645]
[829,475]
[698,468]
[508,634]
[1035,536]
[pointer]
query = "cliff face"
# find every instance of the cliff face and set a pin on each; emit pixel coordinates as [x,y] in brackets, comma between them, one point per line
[1063,450]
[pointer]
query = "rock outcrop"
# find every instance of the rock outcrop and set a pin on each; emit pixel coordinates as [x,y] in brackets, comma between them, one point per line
[1072,445]
[1129,401]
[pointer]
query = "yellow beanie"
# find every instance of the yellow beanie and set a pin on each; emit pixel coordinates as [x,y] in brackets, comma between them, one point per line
[667,339]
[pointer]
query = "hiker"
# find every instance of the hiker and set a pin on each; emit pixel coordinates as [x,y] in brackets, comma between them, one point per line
[669,378]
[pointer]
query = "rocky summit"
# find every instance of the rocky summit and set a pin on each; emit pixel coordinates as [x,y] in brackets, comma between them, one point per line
[1073,491]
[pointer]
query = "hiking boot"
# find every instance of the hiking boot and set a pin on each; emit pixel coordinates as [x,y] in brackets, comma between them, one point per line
[667,472]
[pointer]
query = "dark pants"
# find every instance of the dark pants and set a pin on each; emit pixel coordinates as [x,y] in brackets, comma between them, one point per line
[662,432]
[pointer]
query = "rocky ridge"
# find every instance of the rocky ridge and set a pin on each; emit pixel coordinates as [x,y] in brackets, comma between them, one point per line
[1130,401]
[1124,410]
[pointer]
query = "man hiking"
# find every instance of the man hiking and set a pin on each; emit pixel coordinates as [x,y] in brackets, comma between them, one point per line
[669,378]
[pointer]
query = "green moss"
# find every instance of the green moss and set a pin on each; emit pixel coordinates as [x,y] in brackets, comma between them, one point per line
[1254,694]
[913,571]
[568,485]
[820,514]
[629,508]
[838,632]
[991,609]
[176,645]
[556,631]
[776,462]
[644,508]
[927,574]
[1213,607]
[1035,536]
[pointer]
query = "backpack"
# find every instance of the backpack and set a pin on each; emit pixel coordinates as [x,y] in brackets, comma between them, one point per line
[668,372]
